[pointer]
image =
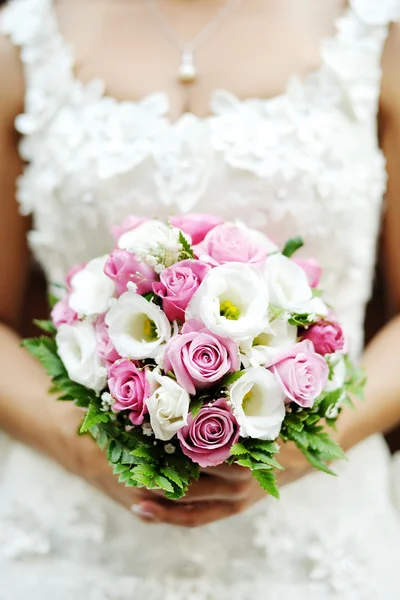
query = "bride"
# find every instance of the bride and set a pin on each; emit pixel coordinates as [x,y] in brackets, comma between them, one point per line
[261,110]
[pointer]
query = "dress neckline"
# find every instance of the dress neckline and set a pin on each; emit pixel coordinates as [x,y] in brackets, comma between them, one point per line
[220,97]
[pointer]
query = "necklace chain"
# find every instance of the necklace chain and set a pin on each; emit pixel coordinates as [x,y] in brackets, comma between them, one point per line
[187,71]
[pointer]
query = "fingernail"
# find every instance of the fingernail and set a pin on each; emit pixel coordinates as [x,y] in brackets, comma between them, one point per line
[141,512]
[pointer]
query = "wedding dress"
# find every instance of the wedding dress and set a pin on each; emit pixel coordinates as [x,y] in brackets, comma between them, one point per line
[306,162]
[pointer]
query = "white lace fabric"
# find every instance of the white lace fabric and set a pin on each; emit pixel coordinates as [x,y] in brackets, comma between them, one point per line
[305,162]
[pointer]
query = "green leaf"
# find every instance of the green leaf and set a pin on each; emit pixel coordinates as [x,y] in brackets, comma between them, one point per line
[125,477]
[238,449]
[195,406]
[231,378]
[317,293]
[142,451]
[245,462]
[52,300]
[267,460]
[46,326]
[119,469]
[163,483]
[176,494]
[292,246]
[93,417]
[150,297]
[187,251]
[144,474]
[270,447]
[267,480]
[316,462]
[102,440]
[173,476]
[325,446]
[114,452]
[45,349]
[126,458]
[300,320]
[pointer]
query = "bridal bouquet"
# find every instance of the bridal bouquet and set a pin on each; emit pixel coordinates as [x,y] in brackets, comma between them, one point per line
[196,342]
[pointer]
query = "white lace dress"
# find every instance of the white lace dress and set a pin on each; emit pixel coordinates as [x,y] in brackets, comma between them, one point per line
[304,162]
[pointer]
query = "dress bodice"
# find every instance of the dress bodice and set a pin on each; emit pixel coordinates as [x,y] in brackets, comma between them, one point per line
[306,162]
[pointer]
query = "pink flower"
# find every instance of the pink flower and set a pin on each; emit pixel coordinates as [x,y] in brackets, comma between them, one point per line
[63,313]
[312,269]
[208,438]
[123,266]
[196,225]
[130,389]
[199,358]
[73,272]
[233,243]
[105,349]
[128,224]
[302,373]
[326,336]
[177,286]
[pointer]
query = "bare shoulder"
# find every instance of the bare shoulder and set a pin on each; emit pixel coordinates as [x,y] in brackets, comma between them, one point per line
[390,90]
[11,80]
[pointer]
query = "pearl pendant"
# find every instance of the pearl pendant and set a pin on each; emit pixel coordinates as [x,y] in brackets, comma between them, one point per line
[187,72]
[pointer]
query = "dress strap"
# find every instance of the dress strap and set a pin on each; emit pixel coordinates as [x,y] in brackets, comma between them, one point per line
[46,59]
[354,55]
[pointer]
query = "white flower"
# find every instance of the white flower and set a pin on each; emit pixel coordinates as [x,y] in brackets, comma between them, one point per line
[287,284]
[318,307]
[232,301]
[156,242]
[76,346]
[168,405]
[261,351]
[138,329]
[258,404]
[92,290]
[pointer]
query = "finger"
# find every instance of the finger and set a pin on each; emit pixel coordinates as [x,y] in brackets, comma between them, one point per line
[130,498]
[193,515]
[216,489]
[228,472]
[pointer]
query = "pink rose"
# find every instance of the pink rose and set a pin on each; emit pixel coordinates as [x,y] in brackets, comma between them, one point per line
[178,284]
[312,269]
[196,225]
[208,438]
[232,243]
[128,224]
[302,373]
[123,266]
[199,358]
[326,336]
[130,389]
[63,313]
[105,349]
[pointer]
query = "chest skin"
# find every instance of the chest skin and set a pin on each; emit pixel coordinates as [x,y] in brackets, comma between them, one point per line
[252,53]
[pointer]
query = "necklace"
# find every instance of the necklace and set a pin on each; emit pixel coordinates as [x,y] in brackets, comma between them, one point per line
[187,71]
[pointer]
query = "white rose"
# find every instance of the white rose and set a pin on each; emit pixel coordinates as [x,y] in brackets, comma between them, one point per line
[287,284]
[168,405]
[153,240]
[258,404]
[92,290]
[138,329]
[261,351]
[232,301]
[76,346]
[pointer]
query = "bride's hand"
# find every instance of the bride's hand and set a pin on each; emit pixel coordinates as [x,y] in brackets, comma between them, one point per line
[81,456]
[223,491]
